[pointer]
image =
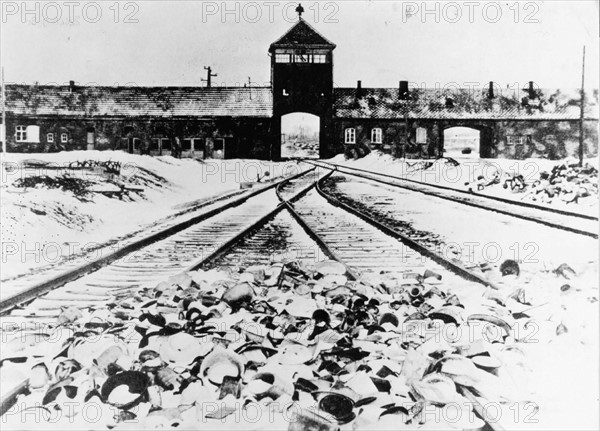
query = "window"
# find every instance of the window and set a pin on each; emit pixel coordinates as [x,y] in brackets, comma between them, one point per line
[421,135]
[302,58]
[136,144]
[219,148]
[376,136]
[192,144]
[515,139]
[165,144]
[64,138]
[27,134]
[350,136]
[21,134]
[282,58]
[90,135]
[33,134]
[50,137]
[319,58]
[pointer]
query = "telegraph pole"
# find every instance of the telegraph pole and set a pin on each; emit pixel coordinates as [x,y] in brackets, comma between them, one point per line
[581,114]
[3,114]
[209,76]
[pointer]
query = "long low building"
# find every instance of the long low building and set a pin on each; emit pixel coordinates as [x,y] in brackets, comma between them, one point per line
[301,114]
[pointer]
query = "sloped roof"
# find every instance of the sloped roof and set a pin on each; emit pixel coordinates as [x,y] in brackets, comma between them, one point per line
[384,103]
[139,101]
[301,34]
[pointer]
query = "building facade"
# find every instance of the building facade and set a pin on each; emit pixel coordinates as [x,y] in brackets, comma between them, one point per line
[246,122]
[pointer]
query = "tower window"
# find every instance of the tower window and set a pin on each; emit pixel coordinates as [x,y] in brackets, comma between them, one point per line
[282,58]
[350,136]
[302,58]
[376,136]
[319,58]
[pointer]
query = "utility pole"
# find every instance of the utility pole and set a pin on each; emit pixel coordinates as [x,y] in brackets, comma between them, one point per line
[209,76]
[3,114]
[581,115]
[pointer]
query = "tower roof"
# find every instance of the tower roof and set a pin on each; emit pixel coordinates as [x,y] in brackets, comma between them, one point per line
[302,34]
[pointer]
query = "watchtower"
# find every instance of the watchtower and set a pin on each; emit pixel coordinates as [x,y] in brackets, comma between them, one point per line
[302,80]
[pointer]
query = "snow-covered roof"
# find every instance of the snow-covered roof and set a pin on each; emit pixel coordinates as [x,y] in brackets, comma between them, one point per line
[474,104]
[96,101]
[379,103]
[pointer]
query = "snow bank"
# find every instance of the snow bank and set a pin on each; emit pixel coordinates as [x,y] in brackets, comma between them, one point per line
[464,175]
[41,225]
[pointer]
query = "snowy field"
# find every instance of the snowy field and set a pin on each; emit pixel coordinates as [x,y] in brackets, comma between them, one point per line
[554,350]
[557,299]
[470,172]
[52,209]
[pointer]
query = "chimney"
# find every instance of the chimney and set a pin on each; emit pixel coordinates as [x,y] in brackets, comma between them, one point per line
[403,91]
[359,92]
[71,86]
[531,91]
[490,94]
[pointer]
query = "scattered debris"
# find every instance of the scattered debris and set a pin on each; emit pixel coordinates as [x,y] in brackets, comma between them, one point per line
[283,341]
[565,182]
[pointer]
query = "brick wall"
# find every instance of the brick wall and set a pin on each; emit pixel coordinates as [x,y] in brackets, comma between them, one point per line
[543,139]
[244,137]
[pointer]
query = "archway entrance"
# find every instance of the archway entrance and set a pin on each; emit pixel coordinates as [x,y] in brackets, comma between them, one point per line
[300,135]
[462,142]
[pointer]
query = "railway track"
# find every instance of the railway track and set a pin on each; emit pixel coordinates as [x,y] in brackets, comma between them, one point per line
[559,219]
[155,258]
[242,235]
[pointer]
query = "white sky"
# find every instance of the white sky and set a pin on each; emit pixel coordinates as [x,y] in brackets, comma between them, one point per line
[376,42]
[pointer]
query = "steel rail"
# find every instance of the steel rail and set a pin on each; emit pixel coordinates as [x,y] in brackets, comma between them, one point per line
[446,263]
[466,192]
[10,398]
[315,236]
[37,290]
[223,249]
[565,227]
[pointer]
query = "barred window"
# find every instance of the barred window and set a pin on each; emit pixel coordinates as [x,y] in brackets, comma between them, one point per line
[350,136]
[319,58]
[282,58]
[302,58]
[376,136]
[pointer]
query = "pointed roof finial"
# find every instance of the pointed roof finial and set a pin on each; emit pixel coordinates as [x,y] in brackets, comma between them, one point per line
[300,10]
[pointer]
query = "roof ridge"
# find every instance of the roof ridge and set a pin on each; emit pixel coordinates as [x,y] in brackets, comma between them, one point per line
[316,31]
[300,21]
[144,87]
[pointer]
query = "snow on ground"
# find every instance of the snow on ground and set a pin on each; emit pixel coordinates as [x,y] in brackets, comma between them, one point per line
[465,175]
[42,223]
[484,236]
